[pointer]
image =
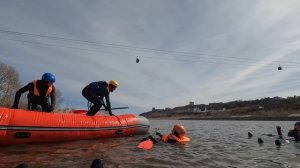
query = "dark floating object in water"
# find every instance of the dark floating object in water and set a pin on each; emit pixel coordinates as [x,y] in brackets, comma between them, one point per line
[279,130]
[279,68]
[97,163]
[250,135]
[260,141]
[23,165]
[277,142]
[137,60]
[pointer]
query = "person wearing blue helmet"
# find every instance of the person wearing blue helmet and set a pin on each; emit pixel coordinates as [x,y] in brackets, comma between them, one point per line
[295,132]
[40,91]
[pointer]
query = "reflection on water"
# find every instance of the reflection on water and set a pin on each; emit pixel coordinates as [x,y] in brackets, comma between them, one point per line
[214,144]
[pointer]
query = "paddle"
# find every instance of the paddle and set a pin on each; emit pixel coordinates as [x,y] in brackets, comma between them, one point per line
[117,108]
[84,111]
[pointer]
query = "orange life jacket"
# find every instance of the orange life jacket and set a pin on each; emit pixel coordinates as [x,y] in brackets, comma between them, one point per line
[36,91]
[182,139]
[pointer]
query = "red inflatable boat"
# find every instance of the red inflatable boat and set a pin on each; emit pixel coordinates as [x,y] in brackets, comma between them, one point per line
[22,126]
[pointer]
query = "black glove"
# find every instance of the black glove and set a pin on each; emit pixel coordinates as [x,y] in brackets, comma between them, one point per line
[110,113]
[144,139]
[152,139]
[159,134]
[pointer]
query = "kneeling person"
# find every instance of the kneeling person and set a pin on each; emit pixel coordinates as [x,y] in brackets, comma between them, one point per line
[39,93]
[95,92]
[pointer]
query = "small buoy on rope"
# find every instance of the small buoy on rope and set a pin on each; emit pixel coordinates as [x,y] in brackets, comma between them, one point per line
[279,68]
[250,135]
[137,59]
[277,142]
[260,141]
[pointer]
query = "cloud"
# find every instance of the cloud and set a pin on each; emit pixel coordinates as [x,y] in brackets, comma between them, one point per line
[188,50]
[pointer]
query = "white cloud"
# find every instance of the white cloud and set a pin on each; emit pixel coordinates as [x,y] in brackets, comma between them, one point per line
[221,52]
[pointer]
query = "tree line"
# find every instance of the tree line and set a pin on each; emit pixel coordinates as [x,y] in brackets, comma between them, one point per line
[266,104]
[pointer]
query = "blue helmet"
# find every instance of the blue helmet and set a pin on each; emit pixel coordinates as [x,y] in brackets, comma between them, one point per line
[48,77]
[297,123]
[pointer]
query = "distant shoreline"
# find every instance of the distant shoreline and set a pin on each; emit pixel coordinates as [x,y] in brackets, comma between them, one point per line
[264,109]
[232,118]
[248,118]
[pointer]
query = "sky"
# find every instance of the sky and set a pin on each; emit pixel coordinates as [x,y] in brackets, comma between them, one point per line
[201,51]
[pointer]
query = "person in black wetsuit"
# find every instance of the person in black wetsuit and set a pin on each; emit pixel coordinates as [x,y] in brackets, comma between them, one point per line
[95,92]
[295,132]
[39,93]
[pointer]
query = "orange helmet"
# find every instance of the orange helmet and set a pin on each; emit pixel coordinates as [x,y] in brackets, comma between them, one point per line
[179,129]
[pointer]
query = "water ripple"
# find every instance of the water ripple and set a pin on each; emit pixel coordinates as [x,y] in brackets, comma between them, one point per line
[215,144]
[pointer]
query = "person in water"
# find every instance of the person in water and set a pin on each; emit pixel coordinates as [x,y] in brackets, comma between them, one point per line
[95,92]
[96,163]
[178,134]
[39,93]
[295,132]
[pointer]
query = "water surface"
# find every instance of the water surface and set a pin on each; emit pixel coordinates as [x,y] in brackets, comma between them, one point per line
[214,144]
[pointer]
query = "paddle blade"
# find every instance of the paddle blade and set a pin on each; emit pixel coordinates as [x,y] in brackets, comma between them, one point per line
[146,145]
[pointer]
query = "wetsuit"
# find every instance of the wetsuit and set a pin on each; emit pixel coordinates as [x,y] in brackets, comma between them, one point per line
[39,93]
[294,133]
[95,92]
